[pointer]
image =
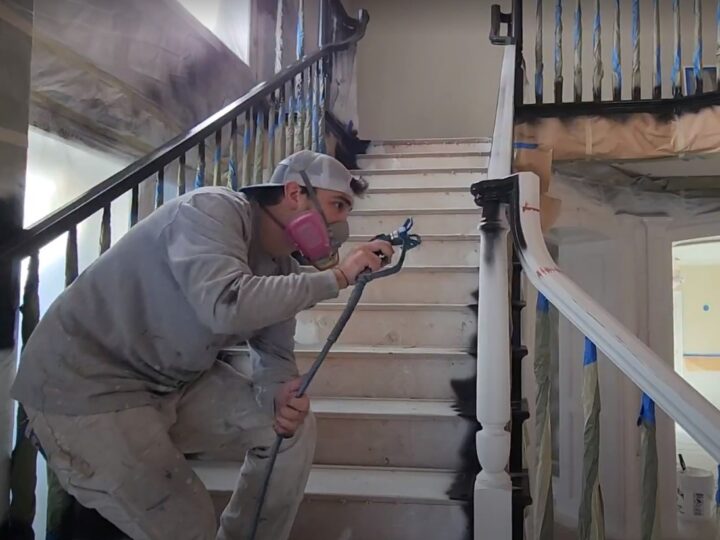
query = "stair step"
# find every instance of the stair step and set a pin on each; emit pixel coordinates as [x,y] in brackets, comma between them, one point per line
[436,249]
[427,220]
[378,372]
[401,325]
[435,177]
[422,284]
[399,146]
[389,432]
[400,198]
[391,409]
[345,503]
[420,160]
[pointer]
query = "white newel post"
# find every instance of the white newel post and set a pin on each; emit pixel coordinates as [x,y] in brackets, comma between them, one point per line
[493,489]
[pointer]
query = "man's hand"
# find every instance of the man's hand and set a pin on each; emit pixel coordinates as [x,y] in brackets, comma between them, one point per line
[290,411]
[363,257]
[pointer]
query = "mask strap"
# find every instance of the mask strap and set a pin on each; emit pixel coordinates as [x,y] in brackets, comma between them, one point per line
[272,217]
[312,194]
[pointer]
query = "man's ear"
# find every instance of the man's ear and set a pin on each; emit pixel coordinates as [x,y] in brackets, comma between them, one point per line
[292,194]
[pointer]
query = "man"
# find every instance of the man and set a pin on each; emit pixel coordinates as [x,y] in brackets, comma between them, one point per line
[121,381]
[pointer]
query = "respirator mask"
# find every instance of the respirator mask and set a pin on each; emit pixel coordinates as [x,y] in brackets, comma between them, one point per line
[317,241]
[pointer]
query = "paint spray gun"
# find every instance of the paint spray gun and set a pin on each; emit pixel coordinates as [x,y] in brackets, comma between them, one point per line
[399,237]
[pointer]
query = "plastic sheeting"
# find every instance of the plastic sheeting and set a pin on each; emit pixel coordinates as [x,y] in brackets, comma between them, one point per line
[603,185]
[127,76]
[543,492]
[648,469]
[591,516]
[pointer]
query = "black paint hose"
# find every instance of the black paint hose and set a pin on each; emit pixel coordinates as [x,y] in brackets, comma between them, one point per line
[399,237]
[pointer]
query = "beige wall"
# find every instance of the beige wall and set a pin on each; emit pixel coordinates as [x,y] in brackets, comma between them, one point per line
[701,329]
[427,69]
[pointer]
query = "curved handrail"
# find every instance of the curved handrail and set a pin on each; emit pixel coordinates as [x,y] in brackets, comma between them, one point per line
[49,228]
[636,360]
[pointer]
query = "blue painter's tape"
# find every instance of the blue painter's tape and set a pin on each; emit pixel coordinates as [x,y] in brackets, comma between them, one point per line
[647,410]
[246,139]
[558,26]
[543,304]
[200,176]
[590,356]
[636,21]
[717,493]
[678,52]
[597,28]
[617,67]
[539,83]
[526,145]
[232,169]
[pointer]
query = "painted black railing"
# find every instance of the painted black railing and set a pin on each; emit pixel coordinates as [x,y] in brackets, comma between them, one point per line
[247,139]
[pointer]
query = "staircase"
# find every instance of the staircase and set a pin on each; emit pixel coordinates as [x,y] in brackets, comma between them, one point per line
[390,439]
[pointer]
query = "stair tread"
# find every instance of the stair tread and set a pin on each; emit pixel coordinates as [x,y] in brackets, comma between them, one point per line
[458,268]
[361,350]
[451,140]
[414,211]
[339,306]
[410,155]
[374,407]
[373,483]
[417,189]
[425,237]
[424,170]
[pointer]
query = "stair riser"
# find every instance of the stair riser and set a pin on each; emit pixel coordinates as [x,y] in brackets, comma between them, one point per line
[430,443]
[422,162]
[449,223]
[419,288]
[439,147]
[428,199]
[439,253]
[342,519]
[419,179]
[427,328]
[388,378]
[320,519]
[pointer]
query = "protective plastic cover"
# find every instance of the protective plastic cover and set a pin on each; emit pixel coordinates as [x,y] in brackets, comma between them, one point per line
[127,76]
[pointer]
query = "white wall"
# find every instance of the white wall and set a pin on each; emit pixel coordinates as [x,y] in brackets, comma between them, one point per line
[427,69]
[229,20]
[57,173]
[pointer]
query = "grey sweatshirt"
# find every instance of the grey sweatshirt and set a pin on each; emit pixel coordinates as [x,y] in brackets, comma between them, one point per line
[150,315]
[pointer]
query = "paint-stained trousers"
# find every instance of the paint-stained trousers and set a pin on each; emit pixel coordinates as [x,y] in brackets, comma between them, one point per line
[131,465]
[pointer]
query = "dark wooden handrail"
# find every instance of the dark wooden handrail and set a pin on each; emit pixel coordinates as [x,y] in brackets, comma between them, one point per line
[54,225]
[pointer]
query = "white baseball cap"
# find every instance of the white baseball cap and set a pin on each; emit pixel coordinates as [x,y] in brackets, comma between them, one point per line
[323,171]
